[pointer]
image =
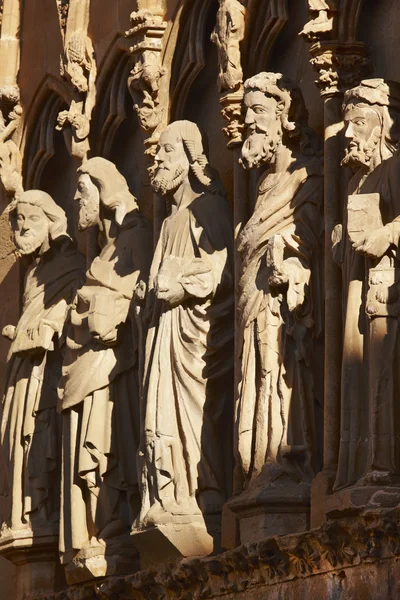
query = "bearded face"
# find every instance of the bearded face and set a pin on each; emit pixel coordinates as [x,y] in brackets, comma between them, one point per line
[88,196]
[31,228]
[362,132]
[171,164]
[263,130]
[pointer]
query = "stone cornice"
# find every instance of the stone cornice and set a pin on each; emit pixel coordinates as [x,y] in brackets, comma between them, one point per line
[344,543]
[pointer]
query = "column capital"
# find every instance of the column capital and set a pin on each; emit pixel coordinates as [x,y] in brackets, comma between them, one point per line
[340,65]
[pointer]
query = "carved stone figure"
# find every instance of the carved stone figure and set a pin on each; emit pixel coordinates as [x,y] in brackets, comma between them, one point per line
[99,389]
[10,159]
[30,427]
[144,82]
[323,12]
[368,252]
[78,66]
[227,35]
[189,348]
[279,303]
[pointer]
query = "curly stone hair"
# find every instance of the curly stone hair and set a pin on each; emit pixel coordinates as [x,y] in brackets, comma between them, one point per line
[291,108]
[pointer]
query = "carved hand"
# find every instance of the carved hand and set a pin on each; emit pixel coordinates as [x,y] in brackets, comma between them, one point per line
[375,243]
[167,284]
[9,332]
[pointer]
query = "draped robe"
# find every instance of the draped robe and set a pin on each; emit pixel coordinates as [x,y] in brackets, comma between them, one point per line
[99,396]
[275,421]
[189,366]
[30,427]
[369,439]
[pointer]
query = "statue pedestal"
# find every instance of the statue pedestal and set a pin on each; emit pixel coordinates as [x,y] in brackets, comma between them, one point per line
[265,511]
[36,557]
[171,541]
[101,560]
[355,499]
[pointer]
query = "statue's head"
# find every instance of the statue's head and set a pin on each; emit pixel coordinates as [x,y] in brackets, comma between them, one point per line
[372,122]
[36,221]
[180,156]
[275,114]
[100,183]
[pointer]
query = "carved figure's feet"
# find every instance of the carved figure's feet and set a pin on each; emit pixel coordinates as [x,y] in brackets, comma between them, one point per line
[376,478]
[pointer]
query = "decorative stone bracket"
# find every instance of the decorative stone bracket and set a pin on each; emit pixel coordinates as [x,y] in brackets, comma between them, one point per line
[144,82]
[340,65]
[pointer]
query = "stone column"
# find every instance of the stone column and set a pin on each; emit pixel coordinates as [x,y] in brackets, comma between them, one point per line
[340,66]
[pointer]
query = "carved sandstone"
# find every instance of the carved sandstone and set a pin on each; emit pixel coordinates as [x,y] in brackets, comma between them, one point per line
[188,355]
[30,427]
[278,312]
[99,389]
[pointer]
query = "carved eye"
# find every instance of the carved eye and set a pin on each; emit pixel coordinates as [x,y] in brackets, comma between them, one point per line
[359,122]
[259,110]
[168,148]
[35,218]
[20,219]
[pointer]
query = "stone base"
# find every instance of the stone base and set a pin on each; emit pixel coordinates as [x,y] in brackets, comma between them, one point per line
[355,499]
[267,511]
[102,561]
[321,488]
[36,557]
[170,541]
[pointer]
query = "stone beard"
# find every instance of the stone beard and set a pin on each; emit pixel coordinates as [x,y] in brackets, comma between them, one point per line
[30,428]
[368,254]
[99,388]
[278,307]
[185,390]
[361,146]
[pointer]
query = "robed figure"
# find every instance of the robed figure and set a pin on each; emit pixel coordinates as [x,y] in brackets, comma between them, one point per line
[279,296]
[99,389]
[188,371]
[366,246]
[30,426]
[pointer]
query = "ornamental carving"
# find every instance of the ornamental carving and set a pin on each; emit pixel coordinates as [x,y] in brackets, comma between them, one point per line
[321,25]
[10,158]
[227,35]
[78,67]
[340,66]
[144,82]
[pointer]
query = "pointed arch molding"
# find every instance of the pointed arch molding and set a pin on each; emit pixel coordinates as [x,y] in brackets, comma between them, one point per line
[349,14]
[189,55]
[37,145]
[112,92]
[263,32]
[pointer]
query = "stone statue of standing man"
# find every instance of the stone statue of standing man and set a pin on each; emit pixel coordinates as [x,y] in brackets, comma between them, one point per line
[278,308]
[185,440]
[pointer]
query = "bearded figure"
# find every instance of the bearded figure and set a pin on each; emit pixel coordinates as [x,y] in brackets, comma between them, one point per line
[188,365]
[30,427]
[368,252]
[279,299]
[99,389]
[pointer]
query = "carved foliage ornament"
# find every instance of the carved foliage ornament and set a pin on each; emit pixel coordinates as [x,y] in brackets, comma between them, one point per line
[144,82]
[340,66]
[333,546]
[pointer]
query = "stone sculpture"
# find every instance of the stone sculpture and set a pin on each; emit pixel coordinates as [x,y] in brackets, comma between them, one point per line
[78,67]
[99,389]
[30,426]
[188,363]
[367,249]
[279,306]
[323,12]
[10,158]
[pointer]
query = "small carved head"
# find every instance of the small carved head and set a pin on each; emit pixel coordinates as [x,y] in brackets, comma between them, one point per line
[372,123]
[36,221]
[100,183]
[275,114]
[180,154]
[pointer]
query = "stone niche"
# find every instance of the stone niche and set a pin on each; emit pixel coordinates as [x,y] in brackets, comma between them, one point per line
[200,299]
